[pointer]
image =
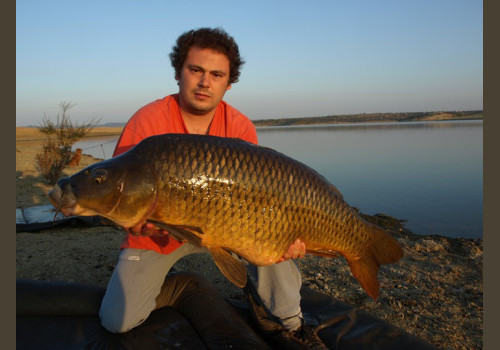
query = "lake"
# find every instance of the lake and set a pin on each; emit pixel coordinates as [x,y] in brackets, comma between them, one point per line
[428,173]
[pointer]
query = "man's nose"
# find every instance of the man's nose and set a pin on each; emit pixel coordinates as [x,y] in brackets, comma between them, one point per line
[204,82]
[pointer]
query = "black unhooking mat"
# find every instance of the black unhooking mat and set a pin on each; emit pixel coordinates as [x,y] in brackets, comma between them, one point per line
[46,216]
[65,316]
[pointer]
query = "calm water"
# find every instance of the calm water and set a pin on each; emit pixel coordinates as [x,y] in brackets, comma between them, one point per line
[430,173]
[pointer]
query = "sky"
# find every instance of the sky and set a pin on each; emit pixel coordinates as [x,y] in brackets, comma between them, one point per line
[302,58]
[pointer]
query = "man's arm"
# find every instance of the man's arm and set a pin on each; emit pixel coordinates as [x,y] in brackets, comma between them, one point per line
[145,229]
[296,250]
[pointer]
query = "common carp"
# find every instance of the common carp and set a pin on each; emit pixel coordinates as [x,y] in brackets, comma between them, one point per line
[230,196]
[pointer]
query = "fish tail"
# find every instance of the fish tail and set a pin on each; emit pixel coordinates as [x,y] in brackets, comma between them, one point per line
[380,249]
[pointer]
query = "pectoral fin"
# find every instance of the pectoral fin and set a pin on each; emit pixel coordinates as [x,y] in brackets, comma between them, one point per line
[181,233]
[231,267]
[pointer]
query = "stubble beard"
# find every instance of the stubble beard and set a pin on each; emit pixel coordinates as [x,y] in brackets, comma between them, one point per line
[198,107]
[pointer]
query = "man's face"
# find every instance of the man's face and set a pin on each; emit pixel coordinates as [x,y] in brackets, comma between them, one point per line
[203,80]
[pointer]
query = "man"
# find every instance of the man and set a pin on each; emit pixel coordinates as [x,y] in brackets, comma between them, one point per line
[206,62]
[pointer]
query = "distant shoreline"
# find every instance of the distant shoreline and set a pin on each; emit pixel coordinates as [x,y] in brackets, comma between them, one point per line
[373,118]
[28,133]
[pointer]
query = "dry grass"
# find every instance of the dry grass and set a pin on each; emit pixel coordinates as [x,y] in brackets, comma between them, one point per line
[449,116]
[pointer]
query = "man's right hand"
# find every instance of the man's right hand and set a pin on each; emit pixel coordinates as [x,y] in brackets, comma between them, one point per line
[145,229]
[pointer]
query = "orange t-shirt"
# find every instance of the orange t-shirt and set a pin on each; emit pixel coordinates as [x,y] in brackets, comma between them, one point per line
[161,117]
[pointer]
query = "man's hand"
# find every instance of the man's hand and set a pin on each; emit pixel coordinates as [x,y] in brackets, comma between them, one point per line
[297,250]
[145,229]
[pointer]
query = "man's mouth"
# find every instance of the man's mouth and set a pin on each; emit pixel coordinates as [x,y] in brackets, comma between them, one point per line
[201,95]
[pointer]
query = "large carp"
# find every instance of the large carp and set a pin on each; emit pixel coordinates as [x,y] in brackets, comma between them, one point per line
[230,196]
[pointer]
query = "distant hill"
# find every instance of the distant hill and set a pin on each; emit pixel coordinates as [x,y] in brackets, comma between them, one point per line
[372,118]
[358,118]
[352,118]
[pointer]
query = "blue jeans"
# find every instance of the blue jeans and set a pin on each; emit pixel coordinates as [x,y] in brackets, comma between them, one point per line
[139,276]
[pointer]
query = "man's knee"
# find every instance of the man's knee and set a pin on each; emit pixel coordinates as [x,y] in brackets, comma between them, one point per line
[112,326]
[118,324]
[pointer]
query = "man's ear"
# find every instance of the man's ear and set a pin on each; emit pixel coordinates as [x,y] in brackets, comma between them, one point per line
[228,87]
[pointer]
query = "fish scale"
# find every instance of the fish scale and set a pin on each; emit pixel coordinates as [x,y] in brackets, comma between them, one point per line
[232,197]
[258,175]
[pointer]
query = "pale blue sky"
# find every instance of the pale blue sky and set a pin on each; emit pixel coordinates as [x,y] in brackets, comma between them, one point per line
[303,58]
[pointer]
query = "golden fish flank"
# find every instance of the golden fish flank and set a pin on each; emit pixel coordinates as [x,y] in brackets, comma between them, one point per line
[232,197]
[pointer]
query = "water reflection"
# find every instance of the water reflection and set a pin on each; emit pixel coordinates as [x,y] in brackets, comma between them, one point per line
[372,126]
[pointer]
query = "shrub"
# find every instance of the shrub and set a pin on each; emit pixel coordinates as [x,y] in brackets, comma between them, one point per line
[61,135]
[52,161]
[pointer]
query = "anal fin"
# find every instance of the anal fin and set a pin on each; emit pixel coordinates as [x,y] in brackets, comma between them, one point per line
[365,271]
[231,267]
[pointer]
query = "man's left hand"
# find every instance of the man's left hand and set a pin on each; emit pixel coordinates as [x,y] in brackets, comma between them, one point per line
[297,250]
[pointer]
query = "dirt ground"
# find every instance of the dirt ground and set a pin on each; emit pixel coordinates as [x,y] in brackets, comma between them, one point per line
[435,292]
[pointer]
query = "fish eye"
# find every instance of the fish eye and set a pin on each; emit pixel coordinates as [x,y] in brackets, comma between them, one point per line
[99,176]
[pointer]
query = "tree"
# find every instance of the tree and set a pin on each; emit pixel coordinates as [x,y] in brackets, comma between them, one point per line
[61,135]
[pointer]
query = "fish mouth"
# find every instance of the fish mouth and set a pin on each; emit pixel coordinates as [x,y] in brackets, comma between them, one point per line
[63,202]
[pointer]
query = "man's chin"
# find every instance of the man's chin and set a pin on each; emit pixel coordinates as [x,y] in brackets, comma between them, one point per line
[202,108]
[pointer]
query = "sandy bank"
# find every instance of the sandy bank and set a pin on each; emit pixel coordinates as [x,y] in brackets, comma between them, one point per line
[32,134]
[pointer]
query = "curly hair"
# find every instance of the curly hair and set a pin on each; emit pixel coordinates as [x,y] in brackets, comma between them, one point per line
[207,38]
